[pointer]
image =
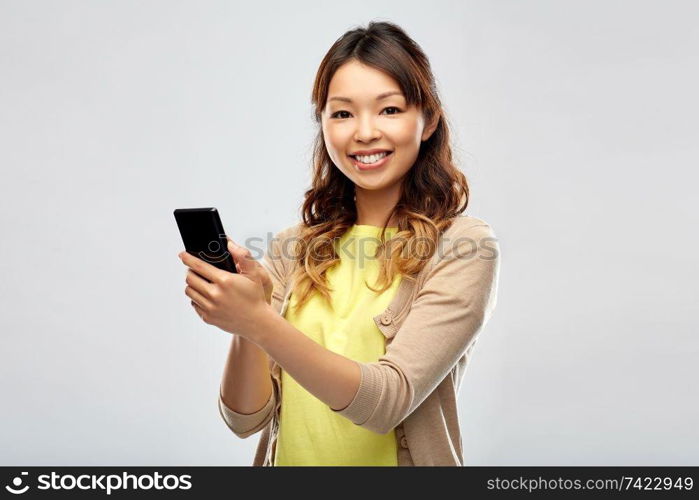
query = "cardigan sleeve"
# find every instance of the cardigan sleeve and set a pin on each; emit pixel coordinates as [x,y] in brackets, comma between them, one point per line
[448,313]
[242,424]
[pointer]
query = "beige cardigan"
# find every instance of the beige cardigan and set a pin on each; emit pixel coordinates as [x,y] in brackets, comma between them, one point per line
[431,327]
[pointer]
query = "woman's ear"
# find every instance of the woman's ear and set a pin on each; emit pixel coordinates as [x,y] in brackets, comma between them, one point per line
[430,128]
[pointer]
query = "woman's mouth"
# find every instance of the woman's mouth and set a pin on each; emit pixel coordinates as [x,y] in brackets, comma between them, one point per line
[372,161]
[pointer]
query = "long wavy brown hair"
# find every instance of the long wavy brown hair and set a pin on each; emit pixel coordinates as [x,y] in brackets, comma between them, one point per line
[433,192]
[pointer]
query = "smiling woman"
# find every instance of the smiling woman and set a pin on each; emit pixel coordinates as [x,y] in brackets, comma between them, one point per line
[382,155]
[385,122]
[362,357]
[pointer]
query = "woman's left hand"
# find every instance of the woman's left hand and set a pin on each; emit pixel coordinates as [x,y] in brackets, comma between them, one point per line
[229,301]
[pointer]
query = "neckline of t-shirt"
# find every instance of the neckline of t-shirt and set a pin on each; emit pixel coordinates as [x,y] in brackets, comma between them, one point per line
[371,229]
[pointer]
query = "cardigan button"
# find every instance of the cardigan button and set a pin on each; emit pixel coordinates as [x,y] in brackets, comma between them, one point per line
[403,442]
[385,319]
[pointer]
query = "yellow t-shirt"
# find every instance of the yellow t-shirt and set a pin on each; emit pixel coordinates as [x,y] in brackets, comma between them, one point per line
[310,433]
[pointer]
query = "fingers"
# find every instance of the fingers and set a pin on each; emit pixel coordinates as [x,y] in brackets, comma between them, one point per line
[199,310]
[199,284]
[202,268]
[201,301]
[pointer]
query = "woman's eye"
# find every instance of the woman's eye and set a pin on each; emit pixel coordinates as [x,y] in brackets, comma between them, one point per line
[337,113]
[334,115]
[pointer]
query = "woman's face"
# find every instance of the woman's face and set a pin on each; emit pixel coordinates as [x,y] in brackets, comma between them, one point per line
[368,123]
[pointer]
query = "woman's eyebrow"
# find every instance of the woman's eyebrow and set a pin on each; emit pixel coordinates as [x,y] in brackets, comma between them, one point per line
[378,97]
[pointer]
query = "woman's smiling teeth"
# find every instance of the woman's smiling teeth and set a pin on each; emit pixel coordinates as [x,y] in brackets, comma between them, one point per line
[371,158]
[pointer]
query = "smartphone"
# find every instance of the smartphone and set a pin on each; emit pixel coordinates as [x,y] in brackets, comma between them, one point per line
[203,236]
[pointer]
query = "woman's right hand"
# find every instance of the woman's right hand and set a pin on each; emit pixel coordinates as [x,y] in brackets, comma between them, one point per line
[250,268]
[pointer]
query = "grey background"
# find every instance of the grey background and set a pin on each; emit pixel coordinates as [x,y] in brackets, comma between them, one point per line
[575,122]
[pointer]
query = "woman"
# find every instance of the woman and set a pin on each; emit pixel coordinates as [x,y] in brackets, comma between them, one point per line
[351,341]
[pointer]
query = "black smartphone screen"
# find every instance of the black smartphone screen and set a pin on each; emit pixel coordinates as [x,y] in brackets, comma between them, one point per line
[203,236]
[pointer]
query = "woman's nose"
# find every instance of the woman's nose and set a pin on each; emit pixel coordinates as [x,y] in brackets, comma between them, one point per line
[366,130]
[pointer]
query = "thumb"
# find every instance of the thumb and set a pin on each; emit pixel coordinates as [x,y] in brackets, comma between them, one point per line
[241,255]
